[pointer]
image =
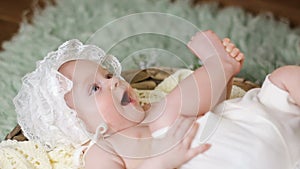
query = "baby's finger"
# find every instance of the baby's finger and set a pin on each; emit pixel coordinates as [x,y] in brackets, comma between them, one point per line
[197,150]
[191,135]
[185,126]
[174,127]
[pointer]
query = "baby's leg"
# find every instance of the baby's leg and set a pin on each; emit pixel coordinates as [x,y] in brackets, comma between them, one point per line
[221,62]
[288,78]
[206,87]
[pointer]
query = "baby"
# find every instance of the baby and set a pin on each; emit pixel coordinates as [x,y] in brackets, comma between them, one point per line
[100,105]
[109,100]
[76,95]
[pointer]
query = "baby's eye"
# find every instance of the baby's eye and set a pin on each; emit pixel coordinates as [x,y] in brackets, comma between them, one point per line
[95,88]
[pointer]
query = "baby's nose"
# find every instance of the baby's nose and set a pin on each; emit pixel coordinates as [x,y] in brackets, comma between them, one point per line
[114,82]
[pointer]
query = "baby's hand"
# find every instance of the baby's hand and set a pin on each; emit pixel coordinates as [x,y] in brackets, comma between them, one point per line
[177,144]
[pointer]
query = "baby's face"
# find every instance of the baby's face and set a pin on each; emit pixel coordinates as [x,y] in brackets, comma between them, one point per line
[97,95]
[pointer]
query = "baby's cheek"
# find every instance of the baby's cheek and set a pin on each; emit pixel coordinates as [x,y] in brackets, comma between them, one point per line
[89,114]
[109,111]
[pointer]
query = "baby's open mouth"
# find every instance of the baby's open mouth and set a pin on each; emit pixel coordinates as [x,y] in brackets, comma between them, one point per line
[125,99]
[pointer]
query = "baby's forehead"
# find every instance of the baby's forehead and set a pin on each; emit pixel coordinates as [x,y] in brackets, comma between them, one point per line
[68,68]
[78,63]
[79,66]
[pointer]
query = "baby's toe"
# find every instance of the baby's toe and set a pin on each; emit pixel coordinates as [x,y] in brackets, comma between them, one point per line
[240,57]
[234,52]
[225,41]
[230,47]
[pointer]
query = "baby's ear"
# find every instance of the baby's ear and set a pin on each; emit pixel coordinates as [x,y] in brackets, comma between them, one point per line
[65,84]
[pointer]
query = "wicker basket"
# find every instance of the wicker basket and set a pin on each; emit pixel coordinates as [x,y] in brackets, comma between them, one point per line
[146,79]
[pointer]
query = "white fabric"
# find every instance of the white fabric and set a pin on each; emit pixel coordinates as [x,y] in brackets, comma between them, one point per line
[41,109]
[259,131]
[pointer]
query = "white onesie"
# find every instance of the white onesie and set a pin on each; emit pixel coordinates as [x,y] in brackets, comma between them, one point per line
[259,131]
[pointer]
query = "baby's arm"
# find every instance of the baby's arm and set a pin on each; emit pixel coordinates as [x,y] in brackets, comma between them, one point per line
[288,78]
[222,60]
[178,139]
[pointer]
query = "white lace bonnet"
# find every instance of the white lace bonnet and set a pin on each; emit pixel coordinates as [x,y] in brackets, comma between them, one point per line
[41,109]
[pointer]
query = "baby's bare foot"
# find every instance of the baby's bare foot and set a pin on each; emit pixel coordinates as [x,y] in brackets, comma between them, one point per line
[234,52]
[207,44]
